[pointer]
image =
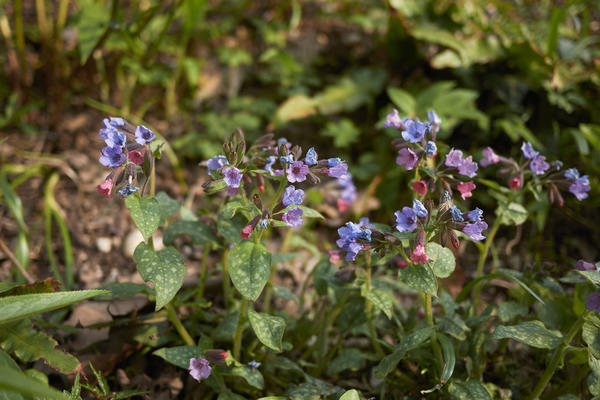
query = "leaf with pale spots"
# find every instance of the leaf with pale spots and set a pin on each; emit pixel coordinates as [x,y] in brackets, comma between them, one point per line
[268,329]
[532,333]
[199,232]
[441,260]
[164,268]
[145,212]
[381,299]
[249,268]
[419,277]
[179,355]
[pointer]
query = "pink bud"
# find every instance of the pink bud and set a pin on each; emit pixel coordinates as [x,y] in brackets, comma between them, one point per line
[136,157]
[334,256]
[106,187]
[247,231]
[514,183]
[342,205]
[419,187]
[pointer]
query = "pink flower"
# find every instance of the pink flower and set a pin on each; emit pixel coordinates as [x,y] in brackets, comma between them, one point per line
[514,183]
[419,187]
[407,157]
[106,187]
[465,189]
[342,205]
[418,256]
[246,231]
[136,157]
[400,263]
[334,256]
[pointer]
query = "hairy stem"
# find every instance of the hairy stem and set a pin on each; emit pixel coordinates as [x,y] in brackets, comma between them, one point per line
[178,325]
[237,339]
[434,342]
[369,310]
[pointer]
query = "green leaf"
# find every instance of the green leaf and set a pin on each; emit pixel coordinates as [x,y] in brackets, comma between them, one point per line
[449,356]
[382,299]
[307,212]
[419,277]
[249,268]
[168,206]
[199,232]
[513,214]
[408,343]
[268,329]
[251,375]
[119,290]
[94,20]
[531,333]
[13,308]
[591,336]
[179,356]
[507,310]
[352,359]
[296,107]
[472,390]
[592,276]
[231,227]
[145,212]
[403,100]
[351,394]
[343,132]
[164,268]
[441,260]
[16,381]
[30,345]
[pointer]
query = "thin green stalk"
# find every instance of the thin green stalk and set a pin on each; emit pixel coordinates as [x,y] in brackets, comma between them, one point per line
[61,19]
[237,339]
[226,287]
[43,25]
[556,358]
[434,342]
[205,254]
[369,310]
[269,289]
[20,37]
[183,333]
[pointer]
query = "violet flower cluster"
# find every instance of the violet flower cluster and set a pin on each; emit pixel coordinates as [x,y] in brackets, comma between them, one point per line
[354,238]
[122,155]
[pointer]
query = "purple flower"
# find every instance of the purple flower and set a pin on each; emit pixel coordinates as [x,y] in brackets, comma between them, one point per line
[281,141]
[407,157]
[528,151]
[415,131]
[292,196]
[352,232]
[456,214]
[127,190]
[593,302]
[406,220]
[339,170]
[112,137]
[199,368]
[393,120]
[430,148]
[572,173]
[111,157]
[453,158]
[419,209]
[580,187]
[433,118]
[475,215]
[468,167]
[289,159]
[583,265]
[293,217]
[143,135]
[233,176]
[297,172]
[217,162]
[474,230]
[489,157]
[539,165]
[311,157]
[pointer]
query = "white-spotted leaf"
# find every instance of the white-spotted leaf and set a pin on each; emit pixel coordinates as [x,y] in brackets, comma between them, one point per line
[164,268]
[268,329]
[532,333]
[381,299]
[145,212]
[441,260]
[419,277]
[249,268]
[179,356]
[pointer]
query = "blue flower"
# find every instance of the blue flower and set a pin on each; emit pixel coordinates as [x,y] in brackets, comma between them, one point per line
[406,220]
[143,135]
[233,176]
[332,162]
[338,170]
[127,190]
[580,187]
[281,141]
[433,118]
[539,165]
[289,159]
[415,132]
[254,364]
[393,120]
[292,196]
[572,173]
[293,217]
[263,223]
[419,209]
[352,232]
[111,157]
[114,122]
[475,215]
[474,230]
[311,157]
[456,214]
[112,137]
[528,151]
[199,368]
[217,162]
[430,148]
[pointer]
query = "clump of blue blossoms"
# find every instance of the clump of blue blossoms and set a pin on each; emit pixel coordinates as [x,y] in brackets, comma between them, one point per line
[127,147]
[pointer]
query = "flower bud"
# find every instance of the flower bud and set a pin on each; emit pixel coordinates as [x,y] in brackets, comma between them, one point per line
[515,182]
[257,201]
[264,140]
[313,179]
[296,151]
[453,238]
[261,182]
[216,356]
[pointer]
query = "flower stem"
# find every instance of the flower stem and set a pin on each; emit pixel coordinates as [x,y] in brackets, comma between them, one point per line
[237,339]
[369,310]
[178,325]
[226,287]
[269,288]
[202,277]
[434,342]
[556,357]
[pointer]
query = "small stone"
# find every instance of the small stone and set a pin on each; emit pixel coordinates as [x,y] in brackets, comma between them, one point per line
[104,244]
[131,241]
